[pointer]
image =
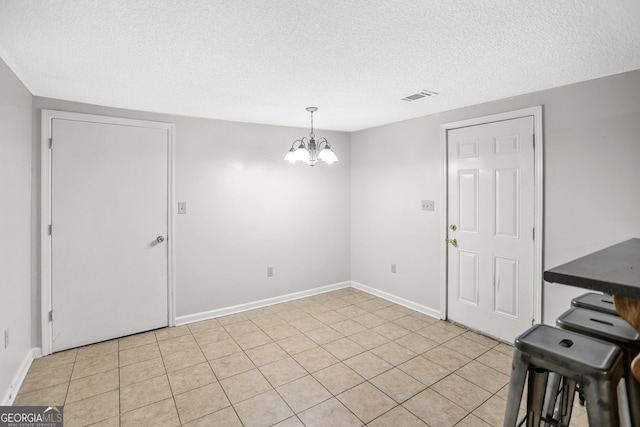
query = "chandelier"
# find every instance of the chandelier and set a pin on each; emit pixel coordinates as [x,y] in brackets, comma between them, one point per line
[309,151]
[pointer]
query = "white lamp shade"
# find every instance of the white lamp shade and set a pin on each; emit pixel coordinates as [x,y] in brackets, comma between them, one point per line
[302,154]
[291,155]
[327,155]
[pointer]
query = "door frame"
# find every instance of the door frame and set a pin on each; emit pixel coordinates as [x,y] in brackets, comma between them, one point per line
[45,211]
[536,113]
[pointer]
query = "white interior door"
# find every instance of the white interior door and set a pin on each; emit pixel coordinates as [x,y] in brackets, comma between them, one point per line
[109,191]
[491,217]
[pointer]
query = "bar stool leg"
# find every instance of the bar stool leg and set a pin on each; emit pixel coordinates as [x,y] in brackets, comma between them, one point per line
[564,409]
[602,404]
[633,396]
[551,397]
[519,368]
[535,395]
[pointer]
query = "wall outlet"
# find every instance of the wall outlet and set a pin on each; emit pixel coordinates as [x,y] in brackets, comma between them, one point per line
[428,205]
[393,268]
[269,271]
[6,338]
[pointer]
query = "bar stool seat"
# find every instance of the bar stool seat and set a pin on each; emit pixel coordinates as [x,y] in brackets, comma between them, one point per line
[595,364]
[595,302]
[613,329]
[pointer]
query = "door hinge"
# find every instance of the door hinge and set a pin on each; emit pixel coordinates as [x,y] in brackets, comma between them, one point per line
[51,316]
[50,229]
[50,142]
[534,140]
[533,322]
[534,234]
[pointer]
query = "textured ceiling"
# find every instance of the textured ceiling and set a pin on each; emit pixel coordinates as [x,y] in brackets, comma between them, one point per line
[264,61]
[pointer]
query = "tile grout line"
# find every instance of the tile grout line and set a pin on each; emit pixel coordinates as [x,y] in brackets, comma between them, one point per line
[173,395]
[231,405]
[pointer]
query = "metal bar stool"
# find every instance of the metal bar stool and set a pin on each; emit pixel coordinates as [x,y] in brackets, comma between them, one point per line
[595,364]
[595,302]
[559,386]
[613,329]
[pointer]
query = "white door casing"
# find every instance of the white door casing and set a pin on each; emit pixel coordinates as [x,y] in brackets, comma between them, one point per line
[107,191]
[493,187]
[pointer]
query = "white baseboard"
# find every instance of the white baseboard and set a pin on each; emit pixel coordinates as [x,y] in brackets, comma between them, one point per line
[398,300]
[205,315]
[212,314]
[10,395]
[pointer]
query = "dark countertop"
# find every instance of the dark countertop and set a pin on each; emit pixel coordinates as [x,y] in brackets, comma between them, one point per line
[614,270]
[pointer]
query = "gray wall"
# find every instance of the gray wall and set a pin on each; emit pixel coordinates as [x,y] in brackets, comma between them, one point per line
[592,152]
[247,209]
[15,227]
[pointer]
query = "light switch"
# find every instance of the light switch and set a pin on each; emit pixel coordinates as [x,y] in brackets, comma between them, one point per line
[182,207]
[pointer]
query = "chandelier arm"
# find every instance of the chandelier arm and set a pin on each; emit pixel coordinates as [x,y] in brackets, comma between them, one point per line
[301,141]
[320,141]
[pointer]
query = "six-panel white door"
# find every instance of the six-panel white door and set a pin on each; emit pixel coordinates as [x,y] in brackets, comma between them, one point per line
[109,215]
[491,217]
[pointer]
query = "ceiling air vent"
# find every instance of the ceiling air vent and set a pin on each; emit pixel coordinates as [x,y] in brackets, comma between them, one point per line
[422,94]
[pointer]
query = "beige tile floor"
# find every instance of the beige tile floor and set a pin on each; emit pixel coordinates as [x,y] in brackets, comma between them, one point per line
[343,358]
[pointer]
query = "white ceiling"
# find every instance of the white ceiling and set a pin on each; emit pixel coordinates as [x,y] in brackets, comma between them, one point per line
[264,61]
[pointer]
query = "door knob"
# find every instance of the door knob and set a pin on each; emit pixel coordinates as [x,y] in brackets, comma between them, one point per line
[160,239]
[453,241]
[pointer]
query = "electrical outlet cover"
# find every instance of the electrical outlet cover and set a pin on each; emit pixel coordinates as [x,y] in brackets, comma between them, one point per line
[428,205]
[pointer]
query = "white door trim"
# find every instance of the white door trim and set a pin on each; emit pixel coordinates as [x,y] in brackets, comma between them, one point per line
[536,112]
[45,239]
